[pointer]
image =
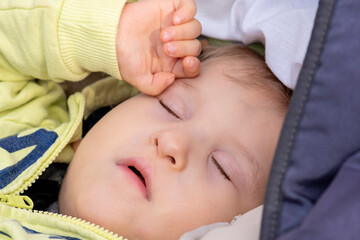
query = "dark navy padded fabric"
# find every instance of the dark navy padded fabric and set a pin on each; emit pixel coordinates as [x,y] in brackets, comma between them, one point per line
[336,214]
[314,186]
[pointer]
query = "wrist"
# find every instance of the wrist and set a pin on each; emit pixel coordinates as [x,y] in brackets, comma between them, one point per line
[125,34]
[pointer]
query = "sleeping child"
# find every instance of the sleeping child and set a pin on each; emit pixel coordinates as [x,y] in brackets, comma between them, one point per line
[154,167]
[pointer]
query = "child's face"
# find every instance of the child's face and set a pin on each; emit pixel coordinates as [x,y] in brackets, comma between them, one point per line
[173,147]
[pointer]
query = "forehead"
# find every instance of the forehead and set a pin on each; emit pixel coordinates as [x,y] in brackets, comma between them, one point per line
[214,86]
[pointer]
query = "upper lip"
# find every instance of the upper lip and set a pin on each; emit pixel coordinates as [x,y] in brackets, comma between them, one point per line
[139,164]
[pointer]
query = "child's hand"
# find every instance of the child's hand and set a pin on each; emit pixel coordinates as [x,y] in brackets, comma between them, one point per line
[156,43]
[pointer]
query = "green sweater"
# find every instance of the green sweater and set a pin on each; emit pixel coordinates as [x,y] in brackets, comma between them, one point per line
[42,43]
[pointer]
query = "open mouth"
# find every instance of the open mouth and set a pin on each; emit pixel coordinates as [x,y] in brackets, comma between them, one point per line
[138,173]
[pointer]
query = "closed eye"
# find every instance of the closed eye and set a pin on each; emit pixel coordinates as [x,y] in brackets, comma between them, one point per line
[218,166]
[168,109]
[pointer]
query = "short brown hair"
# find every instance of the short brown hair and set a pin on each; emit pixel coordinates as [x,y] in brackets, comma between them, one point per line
[242,61]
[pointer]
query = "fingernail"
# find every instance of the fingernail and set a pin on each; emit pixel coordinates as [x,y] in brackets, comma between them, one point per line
[171,49]
[167,36]
[191,63]
[178,19]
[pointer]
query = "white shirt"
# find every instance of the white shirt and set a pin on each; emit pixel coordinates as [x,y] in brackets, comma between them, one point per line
[283,26]
[242,227]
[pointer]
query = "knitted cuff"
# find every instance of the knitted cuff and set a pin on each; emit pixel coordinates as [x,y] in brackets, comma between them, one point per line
[87,35]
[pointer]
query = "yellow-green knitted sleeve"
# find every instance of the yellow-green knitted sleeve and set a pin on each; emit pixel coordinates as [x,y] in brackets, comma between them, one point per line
[58,40]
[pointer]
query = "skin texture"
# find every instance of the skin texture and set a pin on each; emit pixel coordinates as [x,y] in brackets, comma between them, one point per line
[204,117]
[156,43]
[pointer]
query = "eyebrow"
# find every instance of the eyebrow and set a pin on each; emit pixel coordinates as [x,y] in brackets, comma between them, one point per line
[186,86]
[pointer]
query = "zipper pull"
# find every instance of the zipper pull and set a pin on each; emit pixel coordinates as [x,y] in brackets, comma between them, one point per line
[19,201]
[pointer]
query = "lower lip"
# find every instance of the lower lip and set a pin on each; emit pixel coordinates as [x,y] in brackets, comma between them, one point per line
[135,180]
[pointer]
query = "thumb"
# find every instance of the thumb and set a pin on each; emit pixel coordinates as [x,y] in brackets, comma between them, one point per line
[160,81]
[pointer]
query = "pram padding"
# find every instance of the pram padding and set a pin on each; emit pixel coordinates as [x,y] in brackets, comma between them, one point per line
[313,190]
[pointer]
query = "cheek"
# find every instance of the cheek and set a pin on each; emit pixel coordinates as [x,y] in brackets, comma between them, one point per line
[207,204]
[138,113]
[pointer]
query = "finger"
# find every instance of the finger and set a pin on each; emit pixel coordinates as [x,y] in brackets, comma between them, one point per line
[191,66]
[185,11]
[187,31]
[157,83]
[181,49]
[187,67]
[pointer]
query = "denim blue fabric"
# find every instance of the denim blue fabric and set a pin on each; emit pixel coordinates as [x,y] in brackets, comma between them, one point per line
[41,139]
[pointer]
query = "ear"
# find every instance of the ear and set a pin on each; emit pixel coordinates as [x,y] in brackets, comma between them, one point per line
[76,144]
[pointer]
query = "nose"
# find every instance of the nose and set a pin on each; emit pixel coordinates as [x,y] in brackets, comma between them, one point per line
[172,145]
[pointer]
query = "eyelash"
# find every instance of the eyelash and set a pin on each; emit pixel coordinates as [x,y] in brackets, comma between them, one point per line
[220,168]
[168,109]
